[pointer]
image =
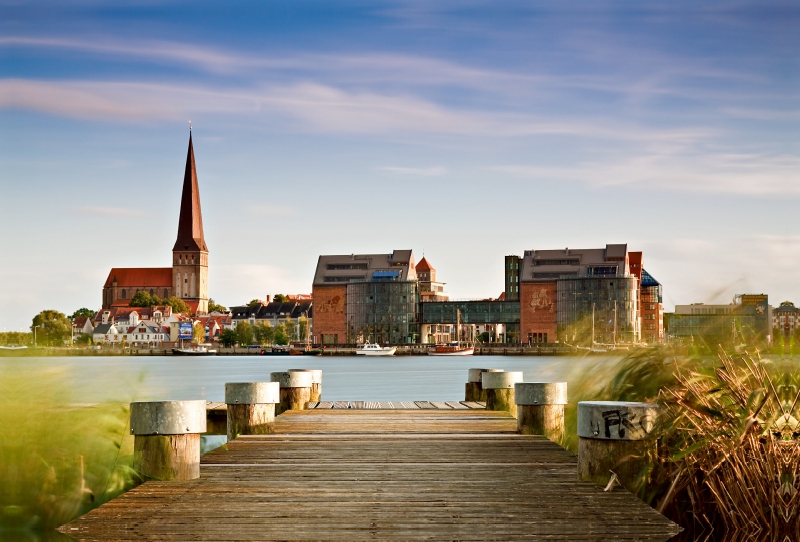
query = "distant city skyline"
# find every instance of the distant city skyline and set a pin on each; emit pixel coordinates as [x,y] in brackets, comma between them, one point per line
[464,131]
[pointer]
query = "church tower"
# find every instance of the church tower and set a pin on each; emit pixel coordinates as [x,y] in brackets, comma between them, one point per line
[190,254]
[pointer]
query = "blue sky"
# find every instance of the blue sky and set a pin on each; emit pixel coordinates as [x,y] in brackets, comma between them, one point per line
[469,130]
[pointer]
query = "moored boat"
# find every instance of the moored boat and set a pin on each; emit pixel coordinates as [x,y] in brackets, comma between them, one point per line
[370,349]
[194,351]
[452,349]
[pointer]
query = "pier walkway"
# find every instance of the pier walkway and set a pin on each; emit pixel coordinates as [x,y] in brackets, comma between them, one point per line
[351,474]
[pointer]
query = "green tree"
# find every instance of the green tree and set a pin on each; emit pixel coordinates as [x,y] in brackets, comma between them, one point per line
[290,329]
[83,311]
[280,298]
[215,307]
[280,335]
[199,333]
[244,333]
[263,333]
[253,302]
[51,327]
[228,338]
[16,338]
[144,299]
[302,324]
[177,304]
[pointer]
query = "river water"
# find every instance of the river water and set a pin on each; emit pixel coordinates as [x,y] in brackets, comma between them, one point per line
[344,378]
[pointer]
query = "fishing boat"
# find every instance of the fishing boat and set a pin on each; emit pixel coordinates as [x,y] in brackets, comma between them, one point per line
[454,348]
[276,350]
[199,350]
[370,349]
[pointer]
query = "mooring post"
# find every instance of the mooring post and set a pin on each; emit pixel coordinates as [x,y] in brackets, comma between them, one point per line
[614,436]
[295,390]
[474,389]
[251,407]
[540,408]
[166,442]
[499,387]
[316,382]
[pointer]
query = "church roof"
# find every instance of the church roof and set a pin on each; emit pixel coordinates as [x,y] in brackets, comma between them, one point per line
[423,265]
[140,277]
[190,223]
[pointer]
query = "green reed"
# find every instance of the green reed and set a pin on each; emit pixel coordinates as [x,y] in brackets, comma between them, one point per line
[58,458]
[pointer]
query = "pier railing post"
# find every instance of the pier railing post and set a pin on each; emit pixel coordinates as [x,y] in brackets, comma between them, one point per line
[474,388]
[499,387]
[540,408]
[251,407]
[295,390]
[614,436]
[316,382]
[166,441]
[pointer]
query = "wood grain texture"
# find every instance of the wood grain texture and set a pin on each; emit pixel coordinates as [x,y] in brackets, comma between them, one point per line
[501,399]
[363,474]
[250,420]
[293,399]
[626,458]
[546,420]
[167,457]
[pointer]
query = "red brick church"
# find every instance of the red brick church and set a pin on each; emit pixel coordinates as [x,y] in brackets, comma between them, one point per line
[188,276]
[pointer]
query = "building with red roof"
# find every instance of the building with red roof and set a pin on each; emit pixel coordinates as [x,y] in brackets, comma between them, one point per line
[188,276]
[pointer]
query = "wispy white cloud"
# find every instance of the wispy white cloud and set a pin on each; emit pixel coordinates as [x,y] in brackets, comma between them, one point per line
[680,170]
[111,211]
[435,171]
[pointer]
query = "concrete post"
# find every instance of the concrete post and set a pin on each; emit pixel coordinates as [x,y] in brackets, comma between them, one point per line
[166,442]
[499,387]
[251,407]
[540,408]
[316,382]
[295,390]
[474,389]
[615,436]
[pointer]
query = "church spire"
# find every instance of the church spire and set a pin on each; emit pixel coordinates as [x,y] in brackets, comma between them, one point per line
[190,224]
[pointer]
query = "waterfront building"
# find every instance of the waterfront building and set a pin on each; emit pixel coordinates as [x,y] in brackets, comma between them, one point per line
[572,294]
[429,288]
[366,297]
[651,303]
[499,319]
[82,325]
[188,276]
[277,312]
[785,319]
[748,320]
[512,268]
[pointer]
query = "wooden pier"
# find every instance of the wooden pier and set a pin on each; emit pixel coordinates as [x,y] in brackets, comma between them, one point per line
[345,474]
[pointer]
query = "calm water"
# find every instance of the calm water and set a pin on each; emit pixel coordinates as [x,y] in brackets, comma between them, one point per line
[400,378]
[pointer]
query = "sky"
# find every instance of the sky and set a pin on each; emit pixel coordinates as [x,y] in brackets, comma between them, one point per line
[463,130]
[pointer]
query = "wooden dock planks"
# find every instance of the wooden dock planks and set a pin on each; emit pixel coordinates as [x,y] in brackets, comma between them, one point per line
[365,474]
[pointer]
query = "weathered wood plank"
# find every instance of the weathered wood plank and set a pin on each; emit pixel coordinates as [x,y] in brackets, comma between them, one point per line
[441,405]
[366,474]
[341,404]
[325,404]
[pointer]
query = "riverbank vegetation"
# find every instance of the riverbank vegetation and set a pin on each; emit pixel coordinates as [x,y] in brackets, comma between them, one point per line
[728,438]
[58,459]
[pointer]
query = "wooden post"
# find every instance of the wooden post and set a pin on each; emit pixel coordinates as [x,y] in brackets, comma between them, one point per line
[316,382]
[540,408]
[166,443]
[295,390]
[474,389]
[615,436]
[251,407]
[499,388]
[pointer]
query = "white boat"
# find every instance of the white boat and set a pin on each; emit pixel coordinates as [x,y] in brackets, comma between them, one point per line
[370,349]
[12,347]
[194,351]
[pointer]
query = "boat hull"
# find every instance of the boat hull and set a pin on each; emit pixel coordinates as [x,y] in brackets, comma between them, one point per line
[184,352]
[382,352]
[462,352]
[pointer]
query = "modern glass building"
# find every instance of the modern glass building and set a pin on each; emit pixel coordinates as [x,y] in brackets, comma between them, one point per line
[382,310]
[614,300]
[498,318]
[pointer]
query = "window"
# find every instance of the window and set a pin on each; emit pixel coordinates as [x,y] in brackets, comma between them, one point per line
[124,294]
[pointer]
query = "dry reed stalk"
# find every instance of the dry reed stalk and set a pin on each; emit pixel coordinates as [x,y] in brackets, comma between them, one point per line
[734,438]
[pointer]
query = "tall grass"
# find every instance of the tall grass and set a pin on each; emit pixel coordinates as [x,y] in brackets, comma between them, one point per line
[729,438]
[58,459]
